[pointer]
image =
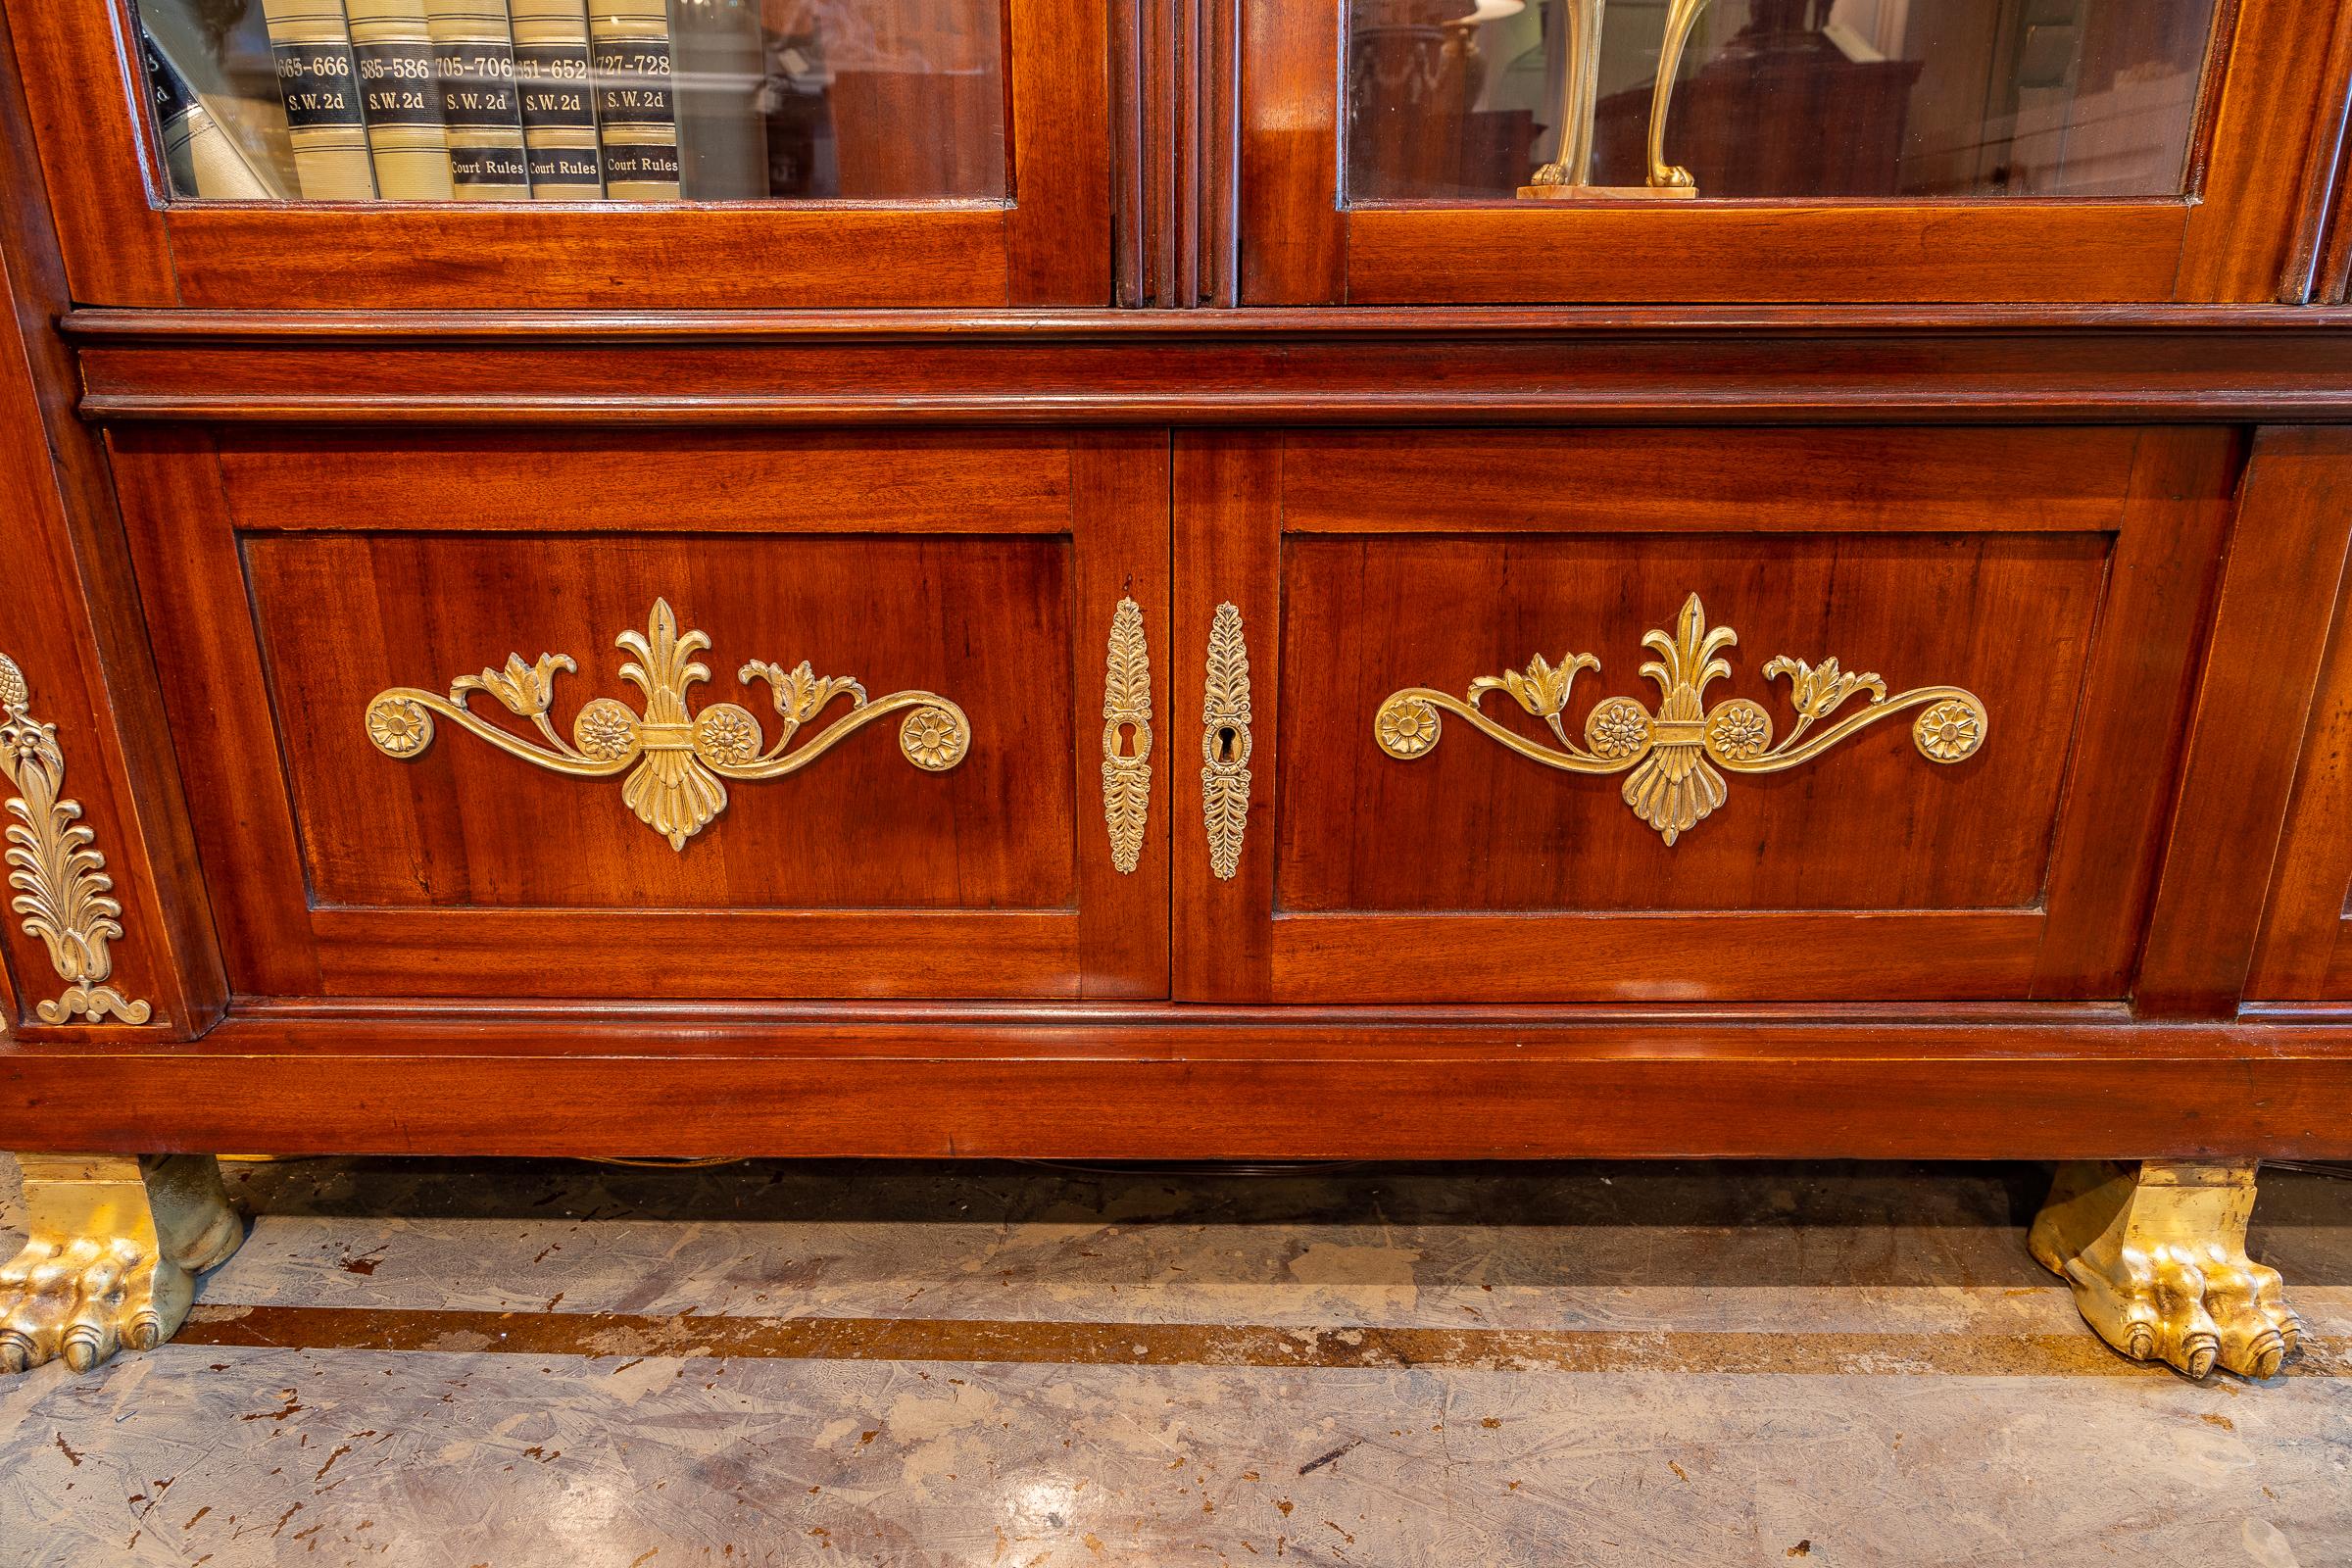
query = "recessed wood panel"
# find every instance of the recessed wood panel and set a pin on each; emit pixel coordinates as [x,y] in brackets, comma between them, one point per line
[981,622]
[1870,825]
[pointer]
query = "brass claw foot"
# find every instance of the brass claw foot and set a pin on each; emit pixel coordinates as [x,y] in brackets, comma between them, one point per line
[117,1242]
[2157,1258]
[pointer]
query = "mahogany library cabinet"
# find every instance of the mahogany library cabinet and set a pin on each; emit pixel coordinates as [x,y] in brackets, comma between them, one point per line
[1196,579]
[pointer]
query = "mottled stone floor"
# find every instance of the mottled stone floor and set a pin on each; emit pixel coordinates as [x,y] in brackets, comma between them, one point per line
[523,1363]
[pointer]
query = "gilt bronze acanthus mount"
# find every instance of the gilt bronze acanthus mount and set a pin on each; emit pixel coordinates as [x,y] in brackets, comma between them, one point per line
[679,757]
[64,894]
[1678,755]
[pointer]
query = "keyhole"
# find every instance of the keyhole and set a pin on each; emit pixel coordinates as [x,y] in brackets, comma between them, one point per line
[1229,744]
[1126,740]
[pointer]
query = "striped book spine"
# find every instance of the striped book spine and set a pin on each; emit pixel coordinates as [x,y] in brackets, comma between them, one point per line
[555,79]
[636,110]
[318,81]
[402,101]
[473,65]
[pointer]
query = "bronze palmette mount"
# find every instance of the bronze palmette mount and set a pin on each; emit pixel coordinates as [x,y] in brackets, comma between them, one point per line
[63,894]
[677,759]
[1676,754]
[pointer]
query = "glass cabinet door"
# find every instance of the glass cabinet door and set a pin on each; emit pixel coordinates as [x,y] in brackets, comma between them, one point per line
[1773,99]
[391,153]
[1796,150]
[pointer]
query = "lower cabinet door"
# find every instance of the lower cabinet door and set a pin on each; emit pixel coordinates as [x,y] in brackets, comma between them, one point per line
[1533,716]
[672,715]
[2301,482]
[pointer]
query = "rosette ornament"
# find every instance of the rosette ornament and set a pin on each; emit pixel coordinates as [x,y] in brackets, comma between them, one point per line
[1676,755]
[677,758]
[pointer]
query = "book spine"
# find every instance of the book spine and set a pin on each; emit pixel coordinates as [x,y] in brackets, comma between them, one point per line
[555,79]
[636,111]
[175,109]
[473,65]
[401,100]
[318,81]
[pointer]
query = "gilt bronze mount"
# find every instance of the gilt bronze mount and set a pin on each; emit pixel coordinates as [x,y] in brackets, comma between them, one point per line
[679,757]
[1678,753]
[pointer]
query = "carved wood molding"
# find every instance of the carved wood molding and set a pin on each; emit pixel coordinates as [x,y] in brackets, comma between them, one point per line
[1433,364]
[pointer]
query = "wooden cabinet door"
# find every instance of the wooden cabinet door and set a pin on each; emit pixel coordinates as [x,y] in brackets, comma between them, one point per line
[2299,488]
[1401,152]
[964,149]
[786,716]
[1578,715]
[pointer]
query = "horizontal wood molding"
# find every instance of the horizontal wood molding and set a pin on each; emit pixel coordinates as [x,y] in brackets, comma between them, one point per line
[1313,365]
[1201,1083]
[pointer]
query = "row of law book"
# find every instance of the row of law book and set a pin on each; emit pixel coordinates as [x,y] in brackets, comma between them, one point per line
[479,100]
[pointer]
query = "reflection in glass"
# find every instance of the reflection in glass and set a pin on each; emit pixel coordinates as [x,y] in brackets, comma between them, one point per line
[577,100]
[1490,99]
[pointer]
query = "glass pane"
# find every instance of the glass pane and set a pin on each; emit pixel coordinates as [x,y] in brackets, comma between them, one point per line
[1772,98]
[578,100]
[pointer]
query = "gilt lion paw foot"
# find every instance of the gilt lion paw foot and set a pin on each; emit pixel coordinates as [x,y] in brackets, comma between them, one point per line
[2192,1307]
[116,1243]
[84,1298]
[2158,1264]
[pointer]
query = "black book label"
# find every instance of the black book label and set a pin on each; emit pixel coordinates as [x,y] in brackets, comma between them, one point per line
[486,166]
[555,82]
[625,165]
[171,96]
[398,80]
[477,84]
[632,81]
[319,82]
[566,168]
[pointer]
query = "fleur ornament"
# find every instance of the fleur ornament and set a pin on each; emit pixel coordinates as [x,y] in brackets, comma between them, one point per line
[1676,755]
[676,758]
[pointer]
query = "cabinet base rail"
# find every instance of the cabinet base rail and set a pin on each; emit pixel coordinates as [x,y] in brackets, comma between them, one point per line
[1143,1081]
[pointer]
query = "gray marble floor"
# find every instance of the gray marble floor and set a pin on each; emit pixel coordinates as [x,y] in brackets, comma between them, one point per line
[518,1363]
